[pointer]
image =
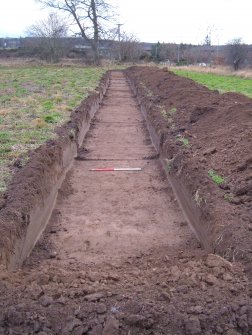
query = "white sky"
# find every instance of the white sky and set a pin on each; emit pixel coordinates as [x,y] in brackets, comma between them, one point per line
[178,21]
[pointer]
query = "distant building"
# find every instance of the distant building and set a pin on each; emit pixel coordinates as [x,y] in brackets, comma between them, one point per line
[10,43]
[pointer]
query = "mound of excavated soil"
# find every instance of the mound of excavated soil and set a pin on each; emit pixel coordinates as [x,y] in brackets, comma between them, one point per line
[166,291]
[201,130]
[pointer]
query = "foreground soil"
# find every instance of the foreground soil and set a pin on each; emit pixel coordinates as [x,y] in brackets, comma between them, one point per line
[117,256]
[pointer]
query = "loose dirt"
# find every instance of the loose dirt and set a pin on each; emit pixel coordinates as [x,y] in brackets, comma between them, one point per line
[117,257]
[201,131]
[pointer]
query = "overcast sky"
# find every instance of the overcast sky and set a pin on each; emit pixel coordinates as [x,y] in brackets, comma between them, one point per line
[151,21]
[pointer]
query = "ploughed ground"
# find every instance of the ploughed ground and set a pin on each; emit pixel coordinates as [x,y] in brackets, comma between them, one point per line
[117,256]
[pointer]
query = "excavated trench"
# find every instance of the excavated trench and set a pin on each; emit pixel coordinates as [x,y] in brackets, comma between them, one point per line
[110,216]
[127,212]
[117,257]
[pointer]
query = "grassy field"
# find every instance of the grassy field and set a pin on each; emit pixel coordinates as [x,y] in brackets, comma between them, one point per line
[33,101]
[222,83]
[217,69]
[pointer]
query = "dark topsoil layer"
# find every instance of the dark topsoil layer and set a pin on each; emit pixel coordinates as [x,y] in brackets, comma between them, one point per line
[219,130]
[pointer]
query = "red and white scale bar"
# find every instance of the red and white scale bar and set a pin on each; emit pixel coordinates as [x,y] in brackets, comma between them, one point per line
[116,169]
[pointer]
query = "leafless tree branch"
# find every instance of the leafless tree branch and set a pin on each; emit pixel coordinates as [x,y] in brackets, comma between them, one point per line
[49,33]
[89,16]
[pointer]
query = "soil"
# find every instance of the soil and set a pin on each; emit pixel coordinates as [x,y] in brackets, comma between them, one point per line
[117,257]
[218,128]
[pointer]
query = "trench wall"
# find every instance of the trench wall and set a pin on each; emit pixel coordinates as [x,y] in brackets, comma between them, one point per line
[193,214]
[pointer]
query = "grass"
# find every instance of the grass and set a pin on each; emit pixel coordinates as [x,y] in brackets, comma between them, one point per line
[197,198]
[33,101]
[168,115]
[215,177]
[228,196]
[222,83]
[183,140]
[218,69]
[148,92]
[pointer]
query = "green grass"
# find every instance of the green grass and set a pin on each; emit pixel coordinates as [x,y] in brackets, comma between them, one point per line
[33,102]
[219,82]
[183,140]
[215,177]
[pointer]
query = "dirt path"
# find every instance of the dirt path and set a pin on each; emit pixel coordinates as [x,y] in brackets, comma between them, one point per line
[117,257]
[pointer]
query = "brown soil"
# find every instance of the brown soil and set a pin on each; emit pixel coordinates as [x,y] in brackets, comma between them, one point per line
[219,130]
[117,257]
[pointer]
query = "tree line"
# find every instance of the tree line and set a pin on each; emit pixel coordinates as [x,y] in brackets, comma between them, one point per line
[128,49]
[94,22]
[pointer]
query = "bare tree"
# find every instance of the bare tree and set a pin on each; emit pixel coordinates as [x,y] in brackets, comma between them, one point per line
[236,53]
[90,16]
[130,49]
[49,33]
[207,40]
